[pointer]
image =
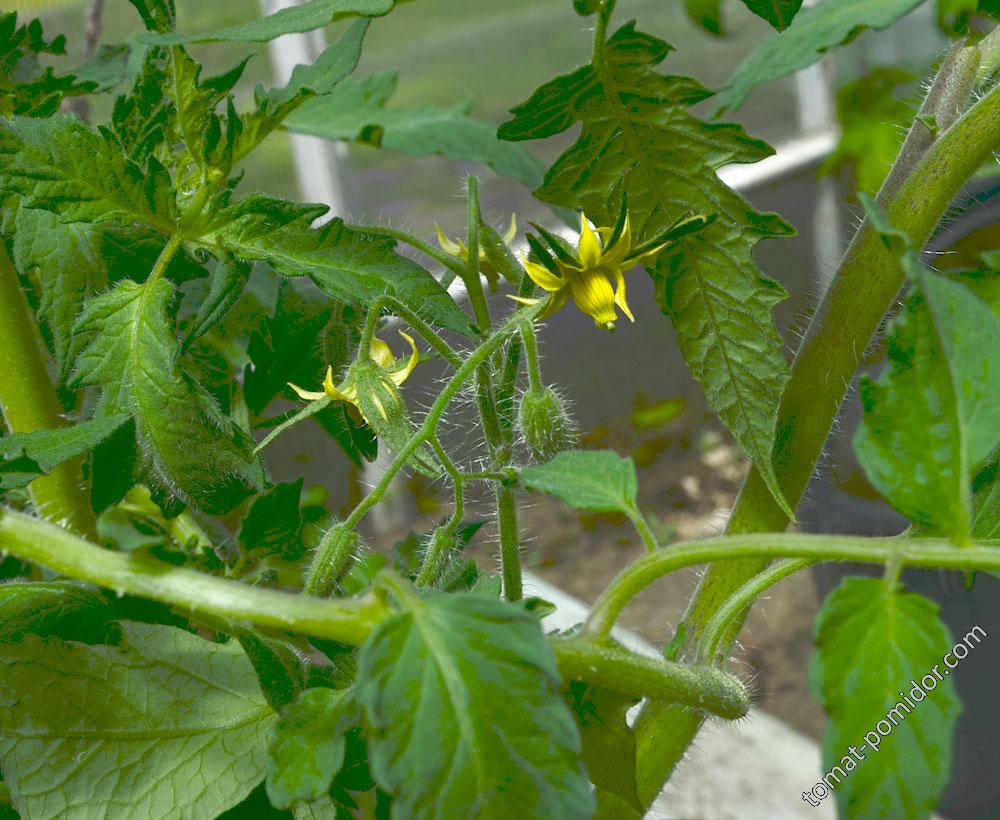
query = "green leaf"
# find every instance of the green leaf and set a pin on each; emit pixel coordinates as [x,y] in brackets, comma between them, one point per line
[25,456]
[32,88]
[597,480]
[608,741]
[356,111]
[229,279]
[66,167]
[182,731]
[157,15]
[815,31]
[639,140]
[873,647]
[437,683]
[345,263]
[779,13]
[308,746]
[706,14]
[280,671]
[986,502]
[871,122]
[31,608]
[189,447]
[307,81]
[68,266]
[273,524]
[932,417]
[306,16]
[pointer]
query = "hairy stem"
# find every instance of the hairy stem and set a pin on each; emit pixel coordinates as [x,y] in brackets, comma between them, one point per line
[735,608]
[862,291]
[612,666]
[349,621]
[425,331]
[29,403]
[929,553]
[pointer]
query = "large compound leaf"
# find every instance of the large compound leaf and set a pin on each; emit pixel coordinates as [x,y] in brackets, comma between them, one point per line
[298,18]
[639,139]
[356,111]
[439,683]
[813,33]
[933,415]
[347,264]
[190,448]
[874,646]
[64,166]
[169,725]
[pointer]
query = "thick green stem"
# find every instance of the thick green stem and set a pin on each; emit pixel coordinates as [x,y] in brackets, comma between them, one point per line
[735,608]
[349,621]
[29,403]
[612,666]
[510,547]
[930,553]
[866,284]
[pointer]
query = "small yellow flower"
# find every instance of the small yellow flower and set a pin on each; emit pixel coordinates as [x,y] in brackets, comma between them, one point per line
[459,250]
[394,371]
[588,277]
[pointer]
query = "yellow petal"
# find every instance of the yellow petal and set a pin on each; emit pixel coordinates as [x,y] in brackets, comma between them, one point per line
[348,394]
[589,251]
[620,295]
[512,230]
[381,353]
[556,301]
[308,395]
[593,295]
[618,253]
[454,248]
[542,276]
[524,300]
[403,374]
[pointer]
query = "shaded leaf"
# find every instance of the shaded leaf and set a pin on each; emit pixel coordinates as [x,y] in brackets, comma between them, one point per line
[183,731]
[779,13]
[280,671]
[357,112]
[42,607]
[608,741]
[25,456]
[273,524]
[814,32]
[306,16]
[706,14]
[229,279]
[307,750]
[873,648]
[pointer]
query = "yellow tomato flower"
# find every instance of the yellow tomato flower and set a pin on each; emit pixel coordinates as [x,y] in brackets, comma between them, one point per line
[589,277]
[394,371]
[459,250]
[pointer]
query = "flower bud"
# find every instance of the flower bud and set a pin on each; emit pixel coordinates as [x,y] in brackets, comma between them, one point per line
[544,424]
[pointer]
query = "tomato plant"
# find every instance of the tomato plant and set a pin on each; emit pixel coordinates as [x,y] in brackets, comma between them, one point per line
[181,634]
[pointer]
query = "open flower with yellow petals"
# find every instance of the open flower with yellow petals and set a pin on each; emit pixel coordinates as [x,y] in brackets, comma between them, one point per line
[595,276]
[392,372]
[486,267]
